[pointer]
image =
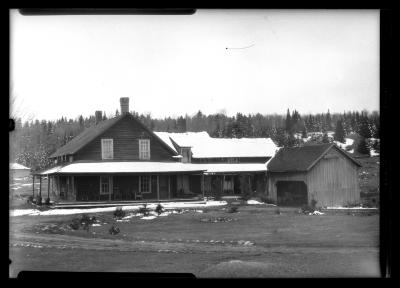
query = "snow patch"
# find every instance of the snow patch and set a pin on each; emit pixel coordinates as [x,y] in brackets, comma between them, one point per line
[169,205]
[316,213]
[254,202]
[340,207]
[148,217]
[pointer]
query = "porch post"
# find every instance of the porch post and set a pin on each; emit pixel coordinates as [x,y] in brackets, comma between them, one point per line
[110,188]
[202,184]
[158,187]
[33,186]
[40,186]
[223,183]
[48,186]
[169,186]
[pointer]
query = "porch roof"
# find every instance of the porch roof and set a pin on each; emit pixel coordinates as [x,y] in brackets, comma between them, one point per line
[214,168]
[123,167]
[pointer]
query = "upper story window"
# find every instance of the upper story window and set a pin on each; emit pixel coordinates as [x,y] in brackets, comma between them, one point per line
[144,148]
[107,149]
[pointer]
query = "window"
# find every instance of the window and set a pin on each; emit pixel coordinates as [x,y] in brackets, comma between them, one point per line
[107,150]
[144,148]
[104,185]
[144,184]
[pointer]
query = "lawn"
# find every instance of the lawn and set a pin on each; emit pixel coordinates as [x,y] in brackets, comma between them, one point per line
[256,240]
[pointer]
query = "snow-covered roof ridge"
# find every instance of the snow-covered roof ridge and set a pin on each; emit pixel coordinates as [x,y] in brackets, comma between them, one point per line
[204,146]
[16,166]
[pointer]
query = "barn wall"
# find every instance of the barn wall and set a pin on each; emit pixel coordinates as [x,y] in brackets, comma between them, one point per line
[334,180]
[274,177]
[125,135]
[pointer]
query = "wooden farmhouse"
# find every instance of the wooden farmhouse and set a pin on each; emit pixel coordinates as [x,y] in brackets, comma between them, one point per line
[120,159]
[323,172]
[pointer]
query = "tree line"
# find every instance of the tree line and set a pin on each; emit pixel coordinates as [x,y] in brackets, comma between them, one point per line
[33,141]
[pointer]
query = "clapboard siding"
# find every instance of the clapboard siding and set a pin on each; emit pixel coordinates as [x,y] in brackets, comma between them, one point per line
[333,180]
[125,134]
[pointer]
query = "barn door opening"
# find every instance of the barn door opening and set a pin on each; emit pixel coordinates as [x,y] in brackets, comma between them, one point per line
[291,193]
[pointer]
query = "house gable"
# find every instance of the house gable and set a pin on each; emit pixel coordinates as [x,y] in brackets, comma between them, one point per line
[126,133]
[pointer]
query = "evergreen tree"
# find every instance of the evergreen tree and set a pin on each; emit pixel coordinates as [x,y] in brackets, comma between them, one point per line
[288,122]
[362,147]
[339,132]
[304,132]
[325,138]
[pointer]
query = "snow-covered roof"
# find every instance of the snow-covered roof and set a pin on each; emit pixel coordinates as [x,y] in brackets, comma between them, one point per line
[124,167]
[204,146]
[16,166]
[233,167]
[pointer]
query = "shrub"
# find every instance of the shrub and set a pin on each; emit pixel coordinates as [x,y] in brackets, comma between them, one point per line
[38,200]
[47,201]
[119,213]
[159,209]
[30,199]
[233,209]
[307,209]
[114,230]
[76,223]
[144,210]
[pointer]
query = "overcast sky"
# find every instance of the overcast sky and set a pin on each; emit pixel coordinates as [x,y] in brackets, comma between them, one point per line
[311,61]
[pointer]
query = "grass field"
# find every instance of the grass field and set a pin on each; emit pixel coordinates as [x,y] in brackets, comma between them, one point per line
[257,242]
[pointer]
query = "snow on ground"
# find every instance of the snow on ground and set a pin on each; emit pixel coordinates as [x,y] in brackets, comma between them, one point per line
[148,217]
[374,153]
[348,142]
[340,207]
[168,205]
[316,213]
[254,202]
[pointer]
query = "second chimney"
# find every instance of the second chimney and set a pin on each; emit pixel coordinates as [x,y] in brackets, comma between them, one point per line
[98,116]
[124,101]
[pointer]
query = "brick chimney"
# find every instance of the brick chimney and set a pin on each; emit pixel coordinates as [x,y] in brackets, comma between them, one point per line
[98,116]
[124,101]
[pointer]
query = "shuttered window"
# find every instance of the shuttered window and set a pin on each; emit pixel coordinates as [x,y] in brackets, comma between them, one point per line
[144,149]
[107,149]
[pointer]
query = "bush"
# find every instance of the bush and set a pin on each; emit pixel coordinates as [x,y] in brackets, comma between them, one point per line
[144,210]
[159,209]
[30,199]
[232,209]
[85,221]
[307,209]
[47,202]
[76,223]
[119,213]
[114,230]
[39,200]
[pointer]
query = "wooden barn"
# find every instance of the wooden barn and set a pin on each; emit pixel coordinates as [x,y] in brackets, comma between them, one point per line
[322,172]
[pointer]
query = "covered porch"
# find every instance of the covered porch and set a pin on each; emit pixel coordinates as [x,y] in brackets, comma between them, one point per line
[118,181]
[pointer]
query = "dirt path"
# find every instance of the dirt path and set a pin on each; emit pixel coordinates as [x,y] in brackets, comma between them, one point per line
[74,242]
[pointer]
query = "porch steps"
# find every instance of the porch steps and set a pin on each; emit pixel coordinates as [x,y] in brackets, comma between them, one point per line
[103,204]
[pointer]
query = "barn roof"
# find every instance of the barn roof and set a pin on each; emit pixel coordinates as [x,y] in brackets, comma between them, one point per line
[303,158]
[89,134]
[204,146]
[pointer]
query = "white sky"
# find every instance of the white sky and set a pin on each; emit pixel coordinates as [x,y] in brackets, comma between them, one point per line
[311,61]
